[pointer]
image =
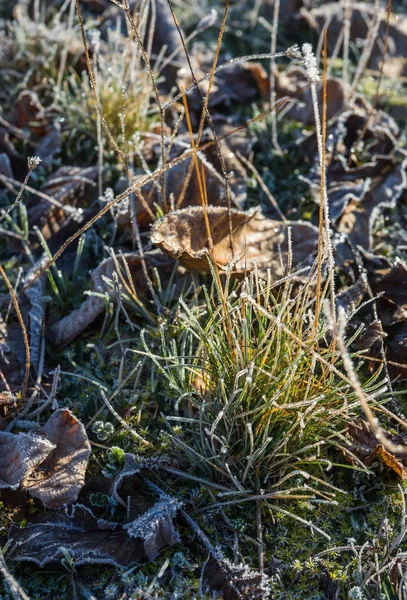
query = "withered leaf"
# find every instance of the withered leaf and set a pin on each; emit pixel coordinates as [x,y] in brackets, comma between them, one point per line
[351,298]
[360,183]
[50,144]
[70,186]
[389,280]
[255,239]
[27,111]
[234,582]
[67,328]
[358,218]
[35,295]
[391,461]
[178,197]
[62,473]
[362,18]
[293,84]
[156,526]
[20,455]
[44,542]
[366,447]
[131,467]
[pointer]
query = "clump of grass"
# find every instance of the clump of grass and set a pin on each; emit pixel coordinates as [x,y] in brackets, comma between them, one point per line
[35,48]
[124,91]
[256,395]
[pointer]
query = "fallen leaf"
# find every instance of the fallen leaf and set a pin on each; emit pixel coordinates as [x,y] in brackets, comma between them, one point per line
[293,84]
[12,351]
[49,144]
[239,82]
[70,187]
[234,582]
[391,462]
[351,298]
[20,455]
[365,446]
[388,280]
[151,193]
[69,327]
[156,527]
[61,475]
[362,17]
[365,173]
[78,533]
[27,111]
[257,240]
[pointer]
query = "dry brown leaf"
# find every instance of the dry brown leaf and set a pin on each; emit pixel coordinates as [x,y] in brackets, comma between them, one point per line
[363,16]
[69,327]
[365,446]
[208,159]
[12,351]
[27,111]
[293,84]
[20,455]
[87,540]
[351,298]
[389,281]
[156,527]
[390,461]
[62,473]
[234,582]
[257,240]
[360,183]
[240,82]
[49,145]
[70,186]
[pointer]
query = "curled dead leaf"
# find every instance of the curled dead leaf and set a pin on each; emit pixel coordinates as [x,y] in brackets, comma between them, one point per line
[256,240]
[156,527]
[79,532]
[70,326]
[365,446]
[366,171]
[293,84]
[362,20]
[61,475]
[234,582]
[70,187]
[388,280]
[20,455]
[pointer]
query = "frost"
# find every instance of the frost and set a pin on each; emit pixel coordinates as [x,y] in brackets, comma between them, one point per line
[155,526]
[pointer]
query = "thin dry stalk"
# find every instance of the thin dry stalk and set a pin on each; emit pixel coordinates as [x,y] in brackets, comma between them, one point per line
[64,54]
[161,109]
[263,186]
[324,244]
[347,15]
[23,330]
[205,111]
[15,588]
[379,81]
[273,49]
[31,166]
[337,329]
[367,51]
